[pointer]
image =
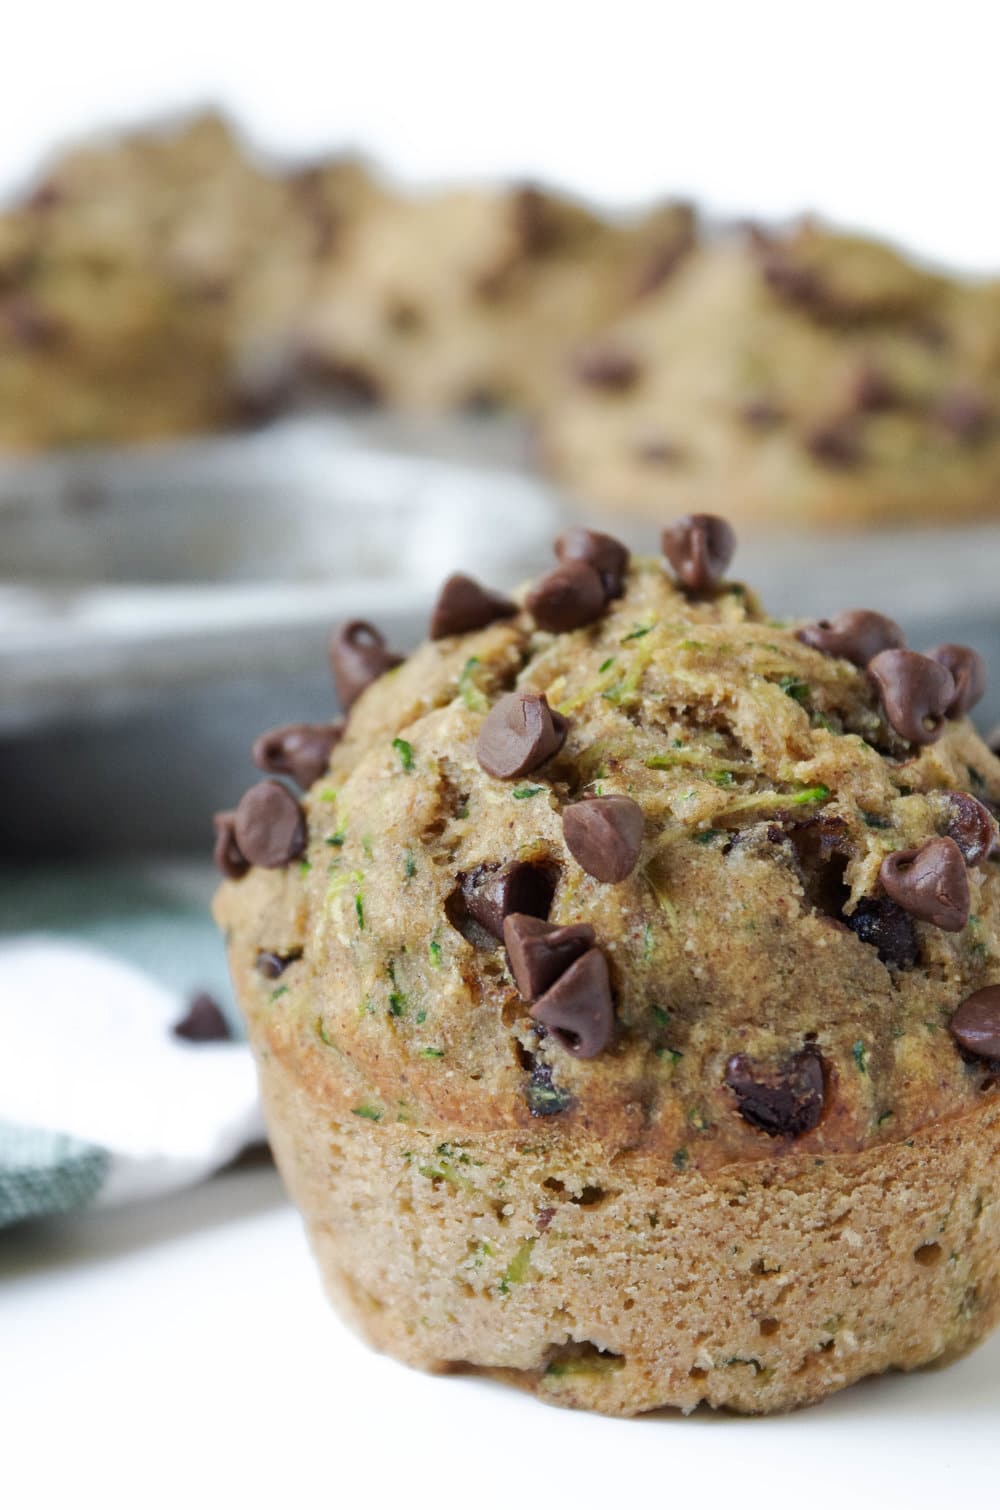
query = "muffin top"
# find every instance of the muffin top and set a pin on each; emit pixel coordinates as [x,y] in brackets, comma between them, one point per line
[768,851]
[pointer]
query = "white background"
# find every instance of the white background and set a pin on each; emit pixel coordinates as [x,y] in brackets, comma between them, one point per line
[880,114]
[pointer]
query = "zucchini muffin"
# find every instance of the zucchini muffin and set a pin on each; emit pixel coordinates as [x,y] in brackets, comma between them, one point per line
[809,377]
[625,987]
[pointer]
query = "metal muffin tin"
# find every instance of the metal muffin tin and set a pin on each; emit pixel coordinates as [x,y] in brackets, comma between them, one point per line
[159,607]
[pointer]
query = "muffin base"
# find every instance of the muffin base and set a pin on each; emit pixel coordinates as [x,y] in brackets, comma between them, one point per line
[622,1287]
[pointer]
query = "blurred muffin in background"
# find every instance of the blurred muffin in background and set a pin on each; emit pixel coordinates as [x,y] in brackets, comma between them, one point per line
[805,378]
[471,299]
[147,288]
[169,282]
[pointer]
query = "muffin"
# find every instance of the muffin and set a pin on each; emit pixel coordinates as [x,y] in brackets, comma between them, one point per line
[149,286]
[625,987]
[809,379]
[472,299]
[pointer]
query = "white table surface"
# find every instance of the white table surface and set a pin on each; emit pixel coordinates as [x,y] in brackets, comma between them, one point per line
[182,1354]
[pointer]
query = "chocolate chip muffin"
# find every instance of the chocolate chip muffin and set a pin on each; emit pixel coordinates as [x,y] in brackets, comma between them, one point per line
[150,285]
[807,379]
[470,299]
[625,986]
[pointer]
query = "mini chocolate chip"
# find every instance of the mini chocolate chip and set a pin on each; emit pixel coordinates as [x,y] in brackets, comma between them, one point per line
[537,224]
[272,965]
[835,444]
[540,952]
[578,1009]
[489,894]
[782,1102]
[968,670]
[856,635]
[762,413]
[657,451]
[993,740]
[604,367]
[345,382]
[916,693]
[358,657]
[964,414]
[519,734]
[463,606]
[800,285]
[269,825]
[972,826]
[930,883]
[699,547]
[204,1021]
[608,556]
[29,325]
[301,751]
[887,928]
[568,597]
[975,1026]
[227,856]
[872,390]
[604,835]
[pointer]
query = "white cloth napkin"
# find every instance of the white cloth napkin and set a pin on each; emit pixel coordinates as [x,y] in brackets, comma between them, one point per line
[100,1103]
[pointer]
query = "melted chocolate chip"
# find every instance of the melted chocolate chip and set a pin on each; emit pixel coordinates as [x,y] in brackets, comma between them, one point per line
[699,547]
[972,826]
[608,556]
[888,929]
[916,693]
[491,893]
[975,1026]
[786,1101]
[519,734]
[605,368]
[539,952]
[968,670]
[604,836]
[568,597]
[358,657]
[578,1010]
[835,445]
[856,635]
[463,606]
[269,825]
[301,751]
[204,1021]
[226,854]
[930,883]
